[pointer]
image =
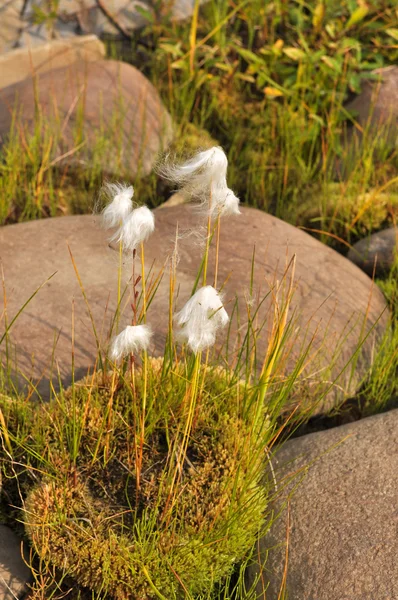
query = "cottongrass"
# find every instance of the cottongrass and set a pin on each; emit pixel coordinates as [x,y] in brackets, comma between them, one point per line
[135,224]
[200,319]
[204,177]
[211,163]
[120,205]
[133,339]
[150,480]
[135,229]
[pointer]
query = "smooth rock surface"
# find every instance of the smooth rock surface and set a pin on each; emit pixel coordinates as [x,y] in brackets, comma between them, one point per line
[18,64]
[342,519]
[331,291]
[375,252]
[14,574]
[105,99]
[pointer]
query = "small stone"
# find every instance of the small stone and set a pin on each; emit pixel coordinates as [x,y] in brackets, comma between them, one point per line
[376,253]
[375,110]
[341,518]
[377,105]
[11,24]
[14,573]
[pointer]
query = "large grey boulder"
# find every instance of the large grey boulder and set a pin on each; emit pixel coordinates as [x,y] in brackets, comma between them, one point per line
[337,523]
[14,573]
[331,299]
[21,63]
[105,102]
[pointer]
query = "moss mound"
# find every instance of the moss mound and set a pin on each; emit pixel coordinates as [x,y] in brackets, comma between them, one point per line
[142,520]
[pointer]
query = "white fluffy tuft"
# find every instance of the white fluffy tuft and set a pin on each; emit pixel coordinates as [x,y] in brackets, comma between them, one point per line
[130,341]
[205,177]
[197,171]
[120,206]
[222,200]
[136,228]
[200,319]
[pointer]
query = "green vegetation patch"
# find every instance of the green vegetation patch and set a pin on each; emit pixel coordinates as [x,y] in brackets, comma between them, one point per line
[270,81]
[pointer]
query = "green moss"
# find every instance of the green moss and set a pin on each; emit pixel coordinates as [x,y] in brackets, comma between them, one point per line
[190,138]
[347,211]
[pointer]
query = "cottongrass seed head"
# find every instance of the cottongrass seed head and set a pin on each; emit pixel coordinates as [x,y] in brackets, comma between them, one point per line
[197,170]
[222,201]
[200,319]
[136,228]
[131,340]
[205,177]
[120,205]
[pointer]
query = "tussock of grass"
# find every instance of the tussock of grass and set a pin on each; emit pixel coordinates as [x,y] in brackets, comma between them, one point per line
[88,516]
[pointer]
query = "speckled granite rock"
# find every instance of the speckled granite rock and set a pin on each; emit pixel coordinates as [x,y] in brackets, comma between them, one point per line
[375,111]
[11,23]
[342,519]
